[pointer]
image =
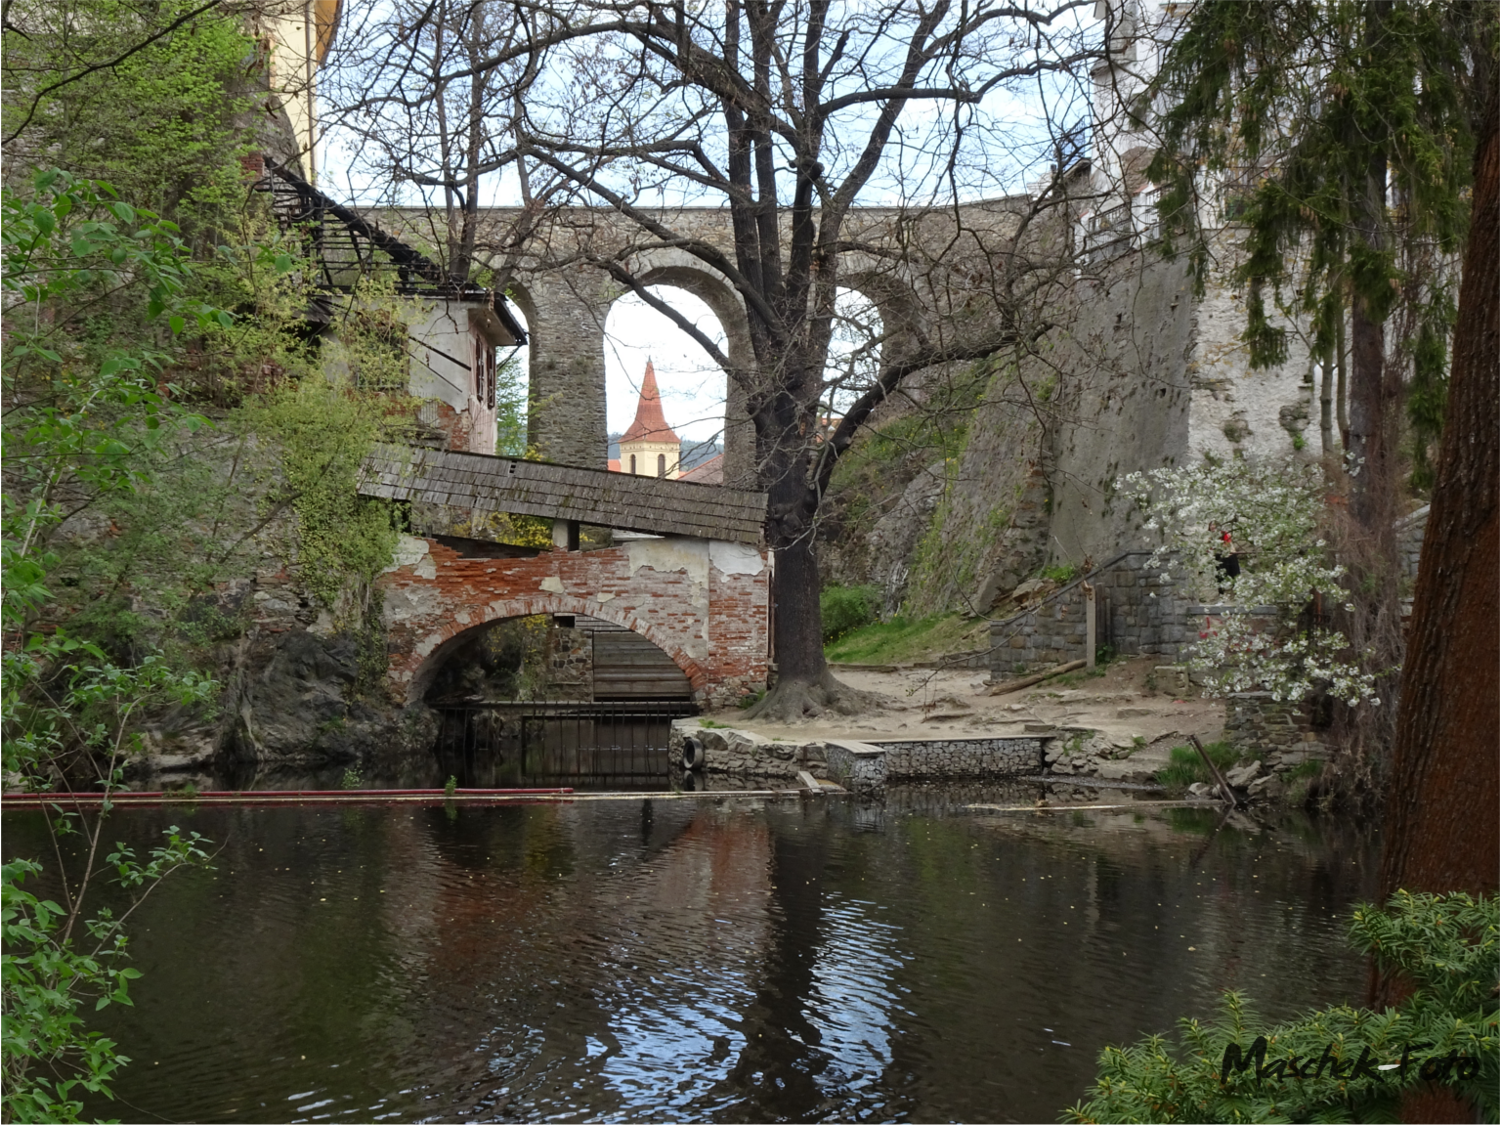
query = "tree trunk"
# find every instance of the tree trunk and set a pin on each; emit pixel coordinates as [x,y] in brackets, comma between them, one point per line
[1443,809]
[1325,405]
[1366,546]
[1341,388]
[804,687]
[799,620]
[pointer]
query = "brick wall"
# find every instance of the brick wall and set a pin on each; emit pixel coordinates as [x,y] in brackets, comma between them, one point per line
[704,604]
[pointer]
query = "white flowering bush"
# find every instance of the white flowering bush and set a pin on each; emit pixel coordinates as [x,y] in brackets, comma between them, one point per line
[1272,513]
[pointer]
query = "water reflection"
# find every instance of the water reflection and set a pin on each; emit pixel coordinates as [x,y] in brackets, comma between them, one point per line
[692,960]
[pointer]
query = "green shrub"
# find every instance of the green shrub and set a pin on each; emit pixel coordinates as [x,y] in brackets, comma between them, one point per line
[1339,1063]
[846,608]
[1062,575]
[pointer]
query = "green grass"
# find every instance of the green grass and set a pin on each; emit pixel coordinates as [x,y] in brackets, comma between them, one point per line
[1185,767]
[1305,771]
[900,641]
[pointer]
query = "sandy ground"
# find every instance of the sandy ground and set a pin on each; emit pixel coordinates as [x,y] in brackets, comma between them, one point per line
[1130,700]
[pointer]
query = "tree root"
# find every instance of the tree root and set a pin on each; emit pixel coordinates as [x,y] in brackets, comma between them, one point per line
[797,701]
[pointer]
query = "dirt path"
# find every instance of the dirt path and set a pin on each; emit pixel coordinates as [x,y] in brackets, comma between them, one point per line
[1129,701]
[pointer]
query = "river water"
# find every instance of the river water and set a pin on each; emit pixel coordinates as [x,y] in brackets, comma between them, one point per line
[682,958]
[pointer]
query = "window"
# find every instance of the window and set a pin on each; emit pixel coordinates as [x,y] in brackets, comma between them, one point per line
[661,464]
[484,369]
[632,464]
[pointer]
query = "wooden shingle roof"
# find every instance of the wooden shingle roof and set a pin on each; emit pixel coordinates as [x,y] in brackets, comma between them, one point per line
[537,488]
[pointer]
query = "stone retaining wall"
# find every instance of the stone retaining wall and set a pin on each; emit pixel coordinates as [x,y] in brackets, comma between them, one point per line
[1283,735]
[858,765]
[1138,610]
[961,758]
[743,753]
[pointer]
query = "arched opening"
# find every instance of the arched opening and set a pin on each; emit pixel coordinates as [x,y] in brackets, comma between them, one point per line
[512,415]
[854,350]
[690,387]
[551,658]
[555,699]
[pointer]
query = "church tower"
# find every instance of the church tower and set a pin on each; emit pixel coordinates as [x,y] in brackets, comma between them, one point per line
[649,448]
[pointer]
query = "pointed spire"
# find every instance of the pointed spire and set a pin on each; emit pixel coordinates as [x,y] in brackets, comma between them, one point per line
[650,423]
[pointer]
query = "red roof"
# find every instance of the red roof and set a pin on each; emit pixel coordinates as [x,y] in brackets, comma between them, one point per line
[650,424]
[709,472]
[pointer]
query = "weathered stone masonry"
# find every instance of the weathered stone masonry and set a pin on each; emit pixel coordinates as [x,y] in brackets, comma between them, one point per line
[703,602]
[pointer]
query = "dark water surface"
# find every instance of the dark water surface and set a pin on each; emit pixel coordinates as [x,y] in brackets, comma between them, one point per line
[701,959]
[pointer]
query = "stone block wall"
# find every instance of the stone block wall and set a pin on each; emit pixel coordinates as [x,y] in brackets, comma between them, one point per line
[570,663]
[1409,532]
[961,758]
[1138,611]
[1282,734]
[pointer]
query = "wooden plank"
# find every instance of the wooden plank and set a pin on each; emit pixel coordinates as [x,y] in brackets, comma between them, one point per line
[538,488]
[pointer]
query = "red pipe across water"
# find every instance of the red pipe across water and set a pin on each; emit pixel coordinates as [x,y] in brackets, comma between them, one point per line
[262,796]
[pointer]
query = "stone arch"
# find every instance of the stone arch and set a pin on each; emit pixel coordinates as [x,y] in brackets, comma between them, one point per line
[441,643]
[902,313]
[682,271]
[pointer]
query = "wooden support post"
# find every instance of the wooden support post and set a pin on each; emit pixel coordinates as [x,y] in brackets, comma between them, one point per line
[1090,625]
[1223,786]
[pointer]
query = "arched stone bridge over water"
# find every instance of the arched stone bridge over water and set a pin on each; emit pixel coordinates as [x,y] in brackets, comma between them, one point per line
[697,584]
[936,276]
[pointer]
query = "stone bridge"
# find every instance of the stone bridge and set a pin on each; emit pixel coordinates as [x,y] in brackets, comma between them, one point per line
[935,275]
[692,574]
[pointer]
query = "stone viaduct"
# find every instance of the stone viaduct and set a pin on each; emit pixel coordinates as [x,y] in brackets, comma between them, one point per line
[1135,370]
[934,275]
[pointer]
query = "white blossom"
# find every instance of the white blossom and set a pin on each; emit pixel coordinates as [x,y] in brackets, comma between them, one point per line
[1272,514]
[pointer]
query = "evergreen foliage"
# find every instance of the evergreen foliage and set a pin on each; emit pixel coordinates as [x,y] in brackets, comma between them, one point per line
[1340,1063]
[1300,109]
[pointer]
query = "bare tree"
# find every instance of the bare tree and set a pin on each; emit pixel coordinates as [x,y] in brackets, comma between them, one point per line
[794,117]
[425,97]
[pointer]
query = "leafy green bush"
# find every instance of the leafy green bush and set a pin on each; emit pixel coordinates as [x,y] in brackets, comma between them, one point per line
[846,608]
[1339,1063]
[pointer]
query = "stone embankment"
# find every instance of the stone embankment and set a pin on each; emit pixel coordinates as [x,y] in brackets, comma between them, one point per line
[1275,741]
[852,763]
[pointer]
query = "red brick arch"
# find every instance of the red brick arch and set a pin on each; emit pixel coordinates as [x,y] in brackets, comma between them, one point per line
[704,604]
[450,637]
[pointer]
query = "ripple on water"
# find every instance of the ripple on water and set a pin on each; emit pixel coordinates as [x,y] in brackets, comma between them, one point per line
[678,961]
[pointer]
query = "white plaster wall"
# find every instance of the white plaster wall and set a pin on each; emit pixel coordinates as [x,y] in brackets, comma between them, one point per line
[441,368]
[1237,411]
